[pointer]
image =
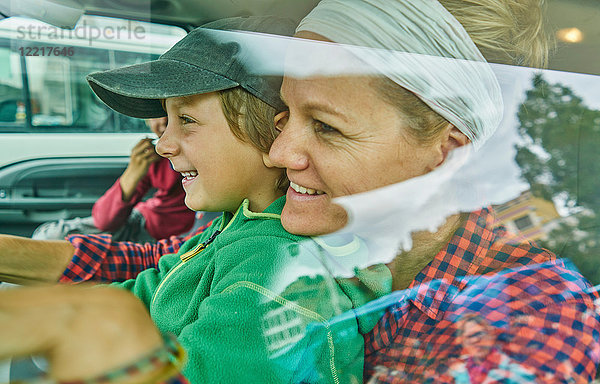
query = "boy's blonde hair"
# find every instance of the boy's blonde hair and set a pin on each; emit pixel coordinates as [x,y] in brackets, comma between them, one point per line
[251,121]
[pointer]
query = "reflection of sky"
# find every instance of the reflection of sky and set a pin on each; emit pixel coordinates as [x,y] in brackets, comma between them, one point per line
[585,86]
[518,79]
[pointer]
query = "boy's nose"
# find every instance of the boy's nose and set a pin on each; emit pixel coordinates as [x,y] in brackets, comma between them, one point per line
[167,144]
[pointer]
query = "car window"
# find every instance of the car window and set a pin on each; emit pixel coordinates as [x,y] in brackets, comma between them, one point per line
[12,106]
[57,139]
[530,193]
[44,69]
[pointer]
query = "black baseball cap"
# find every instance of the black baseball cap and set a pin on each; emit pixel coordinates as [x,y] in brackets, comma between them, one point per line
[203,61]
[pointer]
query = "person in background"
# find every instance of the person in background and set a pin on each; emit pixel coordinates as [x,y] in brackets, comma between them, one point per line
[123,213]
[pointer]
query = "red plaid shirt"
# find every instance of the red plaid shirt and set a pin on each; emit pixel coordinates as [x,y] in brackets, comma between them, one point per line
[531,318]
[98,258]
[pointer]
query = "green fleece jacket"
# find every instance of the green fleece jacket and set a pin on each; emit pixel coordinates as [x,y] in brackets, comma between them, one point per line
[237,303]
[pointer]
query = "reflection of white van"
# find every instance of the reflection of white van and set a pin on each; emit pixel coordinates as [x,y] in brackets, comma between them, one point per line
[60,147]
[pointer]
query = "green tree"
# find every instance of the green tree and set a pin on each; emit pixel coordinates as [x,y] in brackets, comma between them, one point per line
[560,159]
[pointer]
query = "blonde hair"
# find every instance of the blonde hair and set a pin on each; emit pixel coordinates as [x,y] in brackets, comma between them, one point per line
[251,121]
[505,31]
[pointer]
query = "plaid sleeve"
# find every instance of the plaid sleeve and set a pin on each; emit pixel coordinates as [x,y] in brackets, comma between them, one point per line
[558,344]
[98,258]
[548,321]
[538,323]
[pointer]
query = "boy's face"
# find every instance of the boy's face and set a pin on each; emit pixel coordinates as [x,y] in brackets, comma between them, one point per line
[219,170]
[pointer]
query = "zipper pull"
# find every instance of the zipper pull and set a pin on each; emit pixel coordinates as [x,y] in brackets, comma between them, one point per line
[188,255]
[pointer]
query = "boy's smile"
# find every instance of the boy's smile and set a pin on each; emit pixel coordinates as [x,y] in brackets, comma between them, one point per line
[188,177]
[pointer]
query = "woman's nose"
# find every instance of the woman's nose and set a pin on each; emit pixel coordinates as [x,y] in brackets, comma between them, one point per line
[289,148]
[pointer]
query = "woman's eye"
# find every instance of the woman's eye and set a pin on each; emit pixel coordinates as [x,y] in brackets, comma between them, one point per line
[321,127]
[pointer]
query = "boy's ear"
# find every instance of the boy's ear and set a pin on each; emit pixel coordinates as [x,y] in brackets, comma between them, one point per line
[281,120]
[267,161]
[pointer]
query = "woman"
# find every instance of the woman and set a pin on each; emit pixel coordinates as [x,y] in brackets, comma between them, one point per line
[347,134]
[328,155]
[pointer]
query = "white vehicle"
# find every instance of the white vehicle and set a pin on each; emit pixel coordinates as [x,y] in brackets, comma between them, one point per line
[60,146]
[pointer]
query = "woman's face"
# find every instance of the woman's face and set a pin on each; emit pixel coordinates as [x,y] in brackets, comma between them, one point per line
[339,137]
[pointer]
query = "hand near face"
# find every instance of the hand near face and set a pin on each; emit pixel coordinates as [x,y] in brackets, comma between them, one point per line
[142,155]
[82,331]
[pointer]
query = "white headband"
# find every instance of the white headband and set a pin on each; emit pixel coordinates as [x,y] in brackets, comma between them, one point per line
[423,48]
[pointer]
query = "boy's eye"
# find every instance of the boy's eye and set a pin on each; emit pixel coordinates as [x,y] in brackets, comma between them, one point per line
[186,120]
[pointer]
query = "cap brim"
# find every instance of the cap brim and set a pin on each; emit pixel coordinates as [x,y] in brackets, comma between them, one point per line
[136,90]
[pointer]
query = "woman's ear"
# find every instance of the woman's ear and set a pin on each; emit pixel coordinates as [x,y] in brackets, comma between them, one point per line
[452,138]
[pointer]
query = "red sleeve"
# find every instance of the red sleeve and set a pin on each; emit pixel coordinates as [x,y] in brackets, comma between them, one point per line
[110,211]
[98,258]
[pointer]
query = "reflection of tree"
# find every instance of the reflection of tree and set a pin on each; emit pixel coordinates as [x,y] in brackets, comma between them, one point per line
[560,161]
